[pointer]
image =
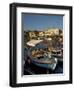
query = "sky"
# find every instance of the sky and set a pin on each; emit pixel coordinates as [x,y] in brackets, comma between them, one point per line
[41,22]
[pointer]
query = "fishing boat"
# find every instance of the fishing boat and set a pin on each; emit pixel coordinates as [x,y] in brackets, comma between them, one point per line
[40,56]
[45,62]
[58,54]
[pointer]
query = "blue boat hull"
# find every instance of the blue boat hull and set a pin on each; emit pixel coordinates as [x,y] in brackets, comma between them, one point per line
[47,66]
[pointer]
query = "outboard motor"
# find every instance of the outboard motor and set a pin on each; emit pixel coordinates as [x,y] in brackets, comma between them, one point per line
[54,65]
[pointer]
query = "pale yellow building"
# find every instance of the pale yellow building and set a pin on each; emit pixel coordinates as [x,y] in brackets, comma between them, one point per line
[53,31]
[41,33]
[32,34]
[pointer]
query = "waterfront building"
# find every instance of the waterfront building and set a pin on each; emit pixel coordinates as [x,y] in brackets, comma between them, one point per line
[53,31]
